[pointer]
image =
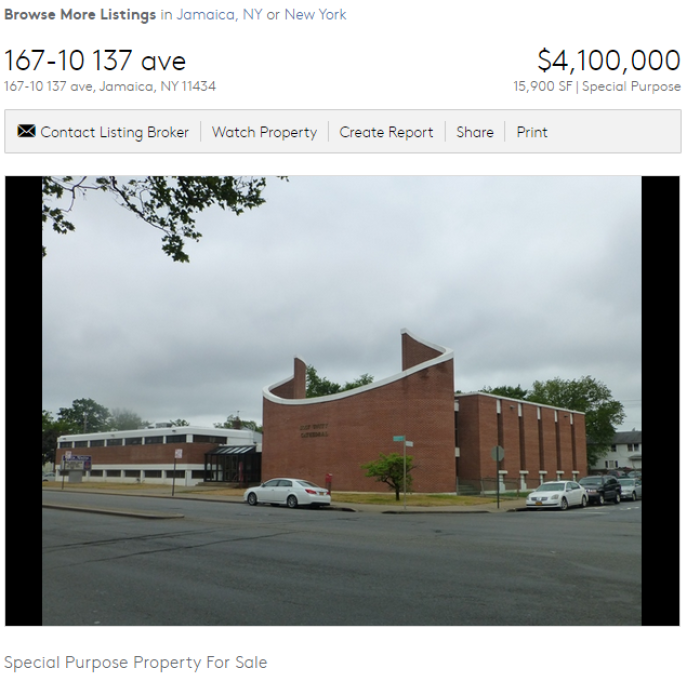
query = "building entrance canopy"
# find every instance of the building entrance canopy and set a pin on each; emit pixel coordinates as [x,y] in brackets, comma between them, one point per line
[232,464]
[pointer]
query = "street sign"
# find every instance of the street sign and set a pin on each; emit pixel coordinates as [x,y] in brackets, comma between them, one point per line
[400,438]
[497,453]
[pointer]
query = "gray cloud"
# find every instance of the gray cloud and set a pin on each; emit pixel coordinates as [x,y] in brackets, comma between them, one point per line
[524,277]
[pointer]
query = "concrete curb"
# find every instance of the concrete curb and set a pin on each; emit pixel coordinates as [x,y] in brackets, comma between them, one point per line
[114,512]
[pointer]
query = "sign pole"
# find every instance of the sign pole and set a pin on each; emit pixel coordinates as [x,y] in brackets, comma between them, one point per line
[176,456]
[402,438]
[404,473]
[497,454]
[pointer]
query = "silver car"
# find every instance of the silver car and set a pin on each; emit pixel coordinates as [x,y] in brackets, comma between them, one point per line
[291,492]
[631,488]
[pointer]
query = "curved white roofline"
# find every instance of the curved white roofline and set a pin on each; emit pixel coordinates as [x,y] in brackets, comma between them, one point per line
[446,356]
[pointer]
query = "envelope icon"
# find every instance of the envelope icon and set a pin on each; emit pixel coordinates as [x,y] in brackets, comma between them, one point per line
[26,130]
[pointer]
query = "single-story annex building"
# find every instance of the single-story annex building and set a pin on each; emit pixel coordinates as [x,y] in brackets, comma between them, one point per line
[453,435]
[190,455]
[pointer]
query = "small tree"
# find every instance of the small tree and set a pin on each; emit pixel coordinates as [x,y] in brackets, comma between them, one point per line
[389,470]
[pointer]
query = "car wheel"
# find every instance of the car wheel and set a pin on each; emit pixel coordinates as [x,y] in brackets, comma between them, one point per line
[634,496]
[617,498]
[584,502]
[292,502]
[564,504]
[252,499]
[601,500]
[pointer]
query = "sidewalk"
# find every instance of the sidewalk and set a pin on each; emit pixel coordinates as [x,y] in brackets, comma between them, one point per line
[507,504]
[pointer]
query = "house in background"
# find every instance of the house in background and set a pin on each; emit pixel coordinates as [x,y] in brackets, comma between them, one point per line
[625,453]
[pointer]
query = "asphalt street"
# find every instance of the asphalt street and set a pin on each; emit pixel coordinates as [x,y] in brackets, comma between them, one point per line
[216,563]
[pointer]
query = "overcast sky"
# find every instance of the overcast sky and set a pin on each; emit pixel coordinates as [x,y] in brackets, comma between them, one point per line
[525,278]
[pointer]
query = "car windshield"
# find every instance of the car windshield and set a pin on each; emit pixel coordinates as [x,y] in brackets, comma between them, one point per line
[591,481]
[548,487]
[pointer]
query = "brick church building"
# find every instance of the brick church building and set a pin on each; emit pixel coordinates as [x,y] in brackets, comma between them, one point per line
[453,435]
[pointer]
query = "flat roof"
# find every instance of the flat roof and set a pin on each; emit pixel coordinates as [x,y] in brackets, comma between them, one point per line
[517,400]
[242,434]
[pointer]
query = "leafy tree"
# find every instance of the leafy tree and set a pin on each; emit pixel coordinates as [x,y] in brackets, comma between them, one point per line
[588,396]
[124,419]
[516,392]
[178,423]
[389,469]
[233,422]
[84,415]
[167,203]
[320,386]
[361,380]
[51,430]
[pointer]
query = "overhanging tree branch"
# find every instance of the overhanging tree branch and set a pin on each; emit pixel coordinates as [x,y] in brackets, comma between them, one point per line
[167,203]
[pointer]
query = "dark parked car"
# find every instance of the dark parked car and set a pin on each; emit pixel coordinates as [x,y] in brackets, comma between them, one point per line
[601,488]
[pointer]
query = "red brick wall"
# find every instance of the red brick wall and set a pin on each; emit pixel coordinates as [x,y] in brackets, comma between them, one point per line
[549,443]
[566,457]
[414,352]
[308,439]
[296,386]
[579,446]
[529,444]
[469,433]
[530,460]
[145,453]
[510,439]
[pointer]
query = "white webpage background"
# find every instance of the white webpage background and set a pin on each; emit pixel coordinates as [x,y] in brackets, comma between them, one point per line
[385,55]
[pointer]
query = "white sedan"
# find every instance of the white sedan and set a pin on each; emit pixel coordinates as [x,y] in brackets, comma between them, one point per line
[290,491]
[561,494]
